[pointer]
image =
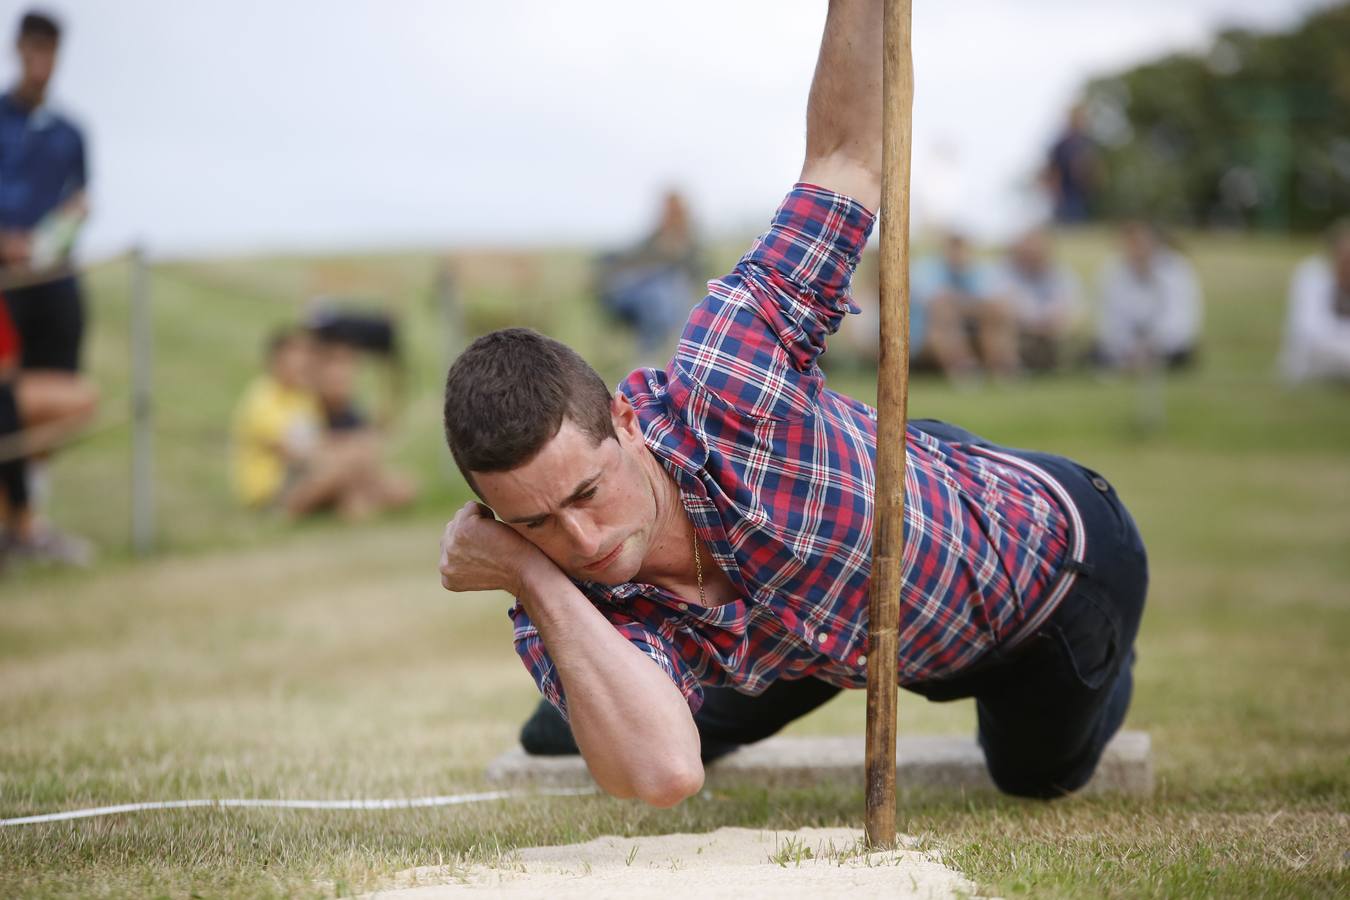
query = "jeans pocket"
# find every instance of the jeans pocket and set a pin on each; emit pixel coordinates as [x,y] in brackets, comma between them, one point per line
[1088,637]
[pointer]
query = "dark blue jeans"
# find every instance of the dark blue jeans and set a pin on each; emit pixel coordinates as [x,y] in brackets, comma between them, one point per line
[1046,708]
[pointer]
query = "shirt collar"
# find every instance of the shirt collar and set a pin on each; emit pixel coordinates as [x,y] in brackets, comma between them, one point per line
[39,117]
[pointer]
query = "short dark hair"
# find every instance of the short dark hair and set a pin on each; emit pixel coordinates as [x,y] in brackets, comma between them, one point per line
[36,24]
[506,397]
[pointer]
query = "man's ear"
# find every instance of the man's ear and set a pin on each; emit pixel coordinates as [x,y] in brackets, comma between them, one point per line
[624,417]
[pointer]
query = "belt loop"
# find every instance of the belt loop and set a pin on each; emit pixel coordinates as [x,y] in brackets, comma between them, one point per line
[1082,567]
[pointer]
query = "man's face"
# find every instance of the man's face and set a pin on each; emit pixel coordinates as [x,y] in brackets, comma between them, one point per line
[590,507]
[37,61]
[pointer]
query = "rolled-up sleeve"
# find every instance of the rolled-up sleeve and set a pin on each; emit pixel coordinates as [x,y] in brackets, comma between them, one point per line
[530,647]
[755,339]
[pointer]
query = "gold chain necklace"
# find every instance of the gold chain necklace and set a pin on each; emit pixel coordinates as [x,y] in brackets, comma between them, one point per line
[698,569]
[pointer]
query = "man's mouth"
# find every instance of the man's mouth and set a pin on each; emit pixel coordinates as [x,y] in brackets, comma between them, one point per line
[604,560]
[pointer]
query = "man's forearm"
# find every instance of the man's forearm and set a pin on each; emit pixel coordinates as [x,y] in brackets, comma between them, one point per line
[632,724]
[843,116]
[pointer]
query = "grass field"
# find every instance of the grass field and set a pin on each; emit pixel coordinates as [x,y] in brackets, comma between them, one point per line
[251,660]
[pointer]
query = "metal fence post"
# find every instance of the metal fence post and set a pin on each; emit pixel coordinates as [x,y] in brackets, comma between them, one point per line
[142,408]
[452,315]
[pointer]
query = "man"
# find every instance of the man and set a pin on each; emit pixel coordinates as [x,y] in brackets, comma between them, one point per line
[652,285]
[1073,171]
[42,202]
[690,556]
[1152,305]
[1044,296]
[959,323]
[1317,334]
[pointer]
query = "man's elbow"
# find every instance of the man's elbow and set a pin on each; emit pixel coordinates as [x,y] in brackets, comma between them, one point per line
[672,786]
[853,174]
[661,786]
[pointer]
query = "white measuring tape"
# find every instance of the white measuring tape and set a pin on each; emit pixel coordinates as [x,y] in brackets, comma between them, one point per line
[409,803]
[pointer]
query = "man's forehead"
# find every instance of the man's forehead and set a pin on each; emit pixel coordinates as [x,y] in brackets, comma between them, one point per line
[566,462]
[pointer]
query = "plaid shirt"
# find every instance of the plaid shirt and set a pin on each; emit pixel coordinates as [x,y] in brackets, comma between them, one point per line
[776,473]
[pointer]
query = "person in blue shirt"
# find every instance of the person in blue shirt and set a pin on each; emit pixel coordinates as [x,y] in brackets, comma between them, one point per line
[42,202]
[960,324]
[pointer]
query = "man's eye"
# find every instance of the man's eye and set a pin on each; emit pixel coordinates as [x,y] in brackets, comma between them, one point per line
[587,495]
[535,524]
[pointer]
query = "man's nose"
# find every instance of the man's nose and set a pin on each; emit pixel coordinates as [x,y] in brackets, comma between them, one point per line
[583,534]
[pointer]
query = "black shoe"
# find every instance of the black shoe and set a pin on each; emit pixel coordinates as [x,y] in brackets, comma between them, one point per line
[546,733]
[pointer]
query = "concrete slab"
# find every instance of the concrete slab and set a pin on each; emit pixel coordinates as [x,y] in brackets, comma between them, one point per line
[954,763]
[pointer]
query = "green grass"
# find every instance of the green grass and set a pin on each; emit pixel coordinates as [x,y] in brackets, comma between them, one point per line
[253,660]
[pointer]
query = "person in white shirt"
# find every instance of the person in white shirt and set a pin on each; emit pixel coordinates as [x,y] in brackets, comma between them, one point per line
[1044,296]
[1317,336]
[1151,304]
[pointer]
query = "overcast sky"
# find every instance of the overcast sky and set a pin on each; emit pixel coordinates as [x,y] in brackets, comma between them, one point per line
[219,127]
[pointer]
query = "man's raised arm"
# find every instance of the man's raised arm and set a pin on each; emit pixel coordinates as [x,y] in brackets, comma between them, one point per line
[843,115]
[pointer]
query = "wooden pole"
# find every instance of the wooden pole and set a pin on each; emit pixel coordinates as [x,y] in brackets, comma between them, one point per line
[892,411]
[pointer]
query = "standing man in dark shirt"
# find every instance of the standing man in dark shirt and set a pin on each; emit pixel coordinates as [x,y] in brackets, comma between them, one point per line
[42,202]
[1073,171]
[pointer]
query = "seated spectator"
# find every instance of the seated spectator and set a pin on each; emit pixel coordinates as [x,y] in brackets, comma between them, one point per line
[1151,305]
[335,376]
[35,417]
[958,322]
[1317,337]
[1044,297]
[282,456]
[652,286]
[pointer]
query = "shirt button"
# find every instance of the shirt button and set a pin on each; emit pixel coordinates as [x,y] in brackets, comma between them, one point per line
[684,607]
[862,659]
[821,636]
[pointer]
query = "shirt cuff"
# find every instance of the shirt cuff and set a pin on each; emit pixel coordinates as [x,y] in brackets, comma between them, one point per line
[818,231]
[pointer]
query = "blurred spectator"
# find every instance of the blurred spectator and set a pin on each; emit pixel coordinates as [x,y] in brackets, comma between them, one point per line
[17,521]
[1151,304]
[958,322]
[1044,296]
[278,425]
[335,373]
[1317,337]
[30,422]
[285,456]
[42,204]
[652,286]
[1073,171]
[335,377]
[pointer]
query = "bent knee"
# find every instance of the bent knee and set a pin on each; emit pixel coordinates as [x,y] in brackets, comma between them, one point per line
[1042,785]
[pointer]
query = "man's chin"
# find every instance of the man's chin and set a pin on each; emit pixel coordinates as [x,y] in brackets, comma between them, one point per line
[609,577]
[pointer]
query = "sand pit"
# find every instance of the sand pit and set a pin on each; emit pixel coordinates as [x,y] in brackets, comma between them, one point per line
[729,863]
